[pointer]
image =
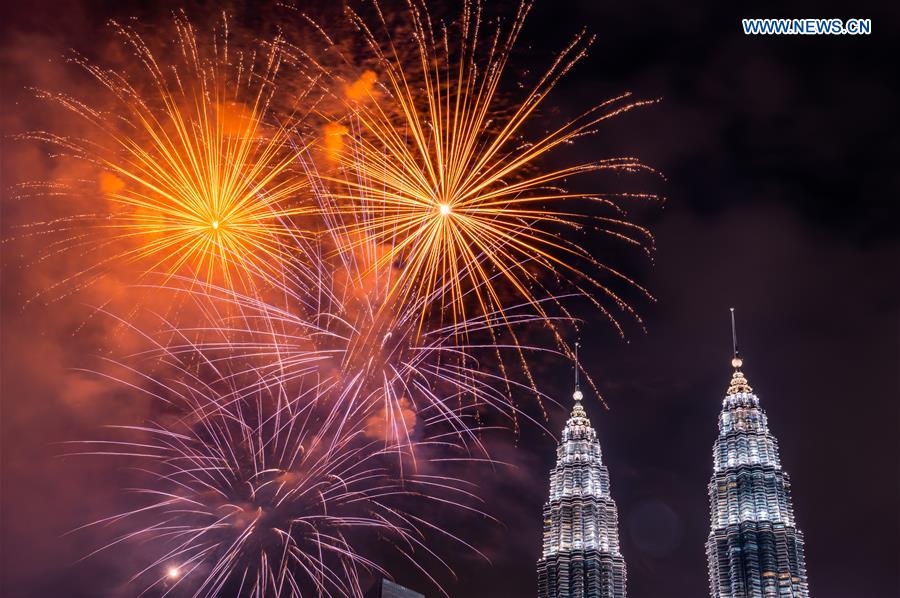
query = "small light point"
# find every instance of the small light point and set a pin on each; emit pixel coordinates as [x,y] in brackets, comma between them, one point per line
[444,209]
[173,573]
[577,395]
[215,224]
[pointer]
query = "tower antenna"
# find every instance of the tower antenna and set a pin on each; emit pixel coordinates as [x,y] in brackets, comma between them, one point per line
[577,344]
[734,335]
[736,360]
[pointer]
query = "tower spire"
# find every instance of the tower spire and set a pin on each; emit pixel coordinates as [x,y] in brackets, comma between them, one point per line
[577,395]
[738,381]
[736,361]
[578,410]
[577,344]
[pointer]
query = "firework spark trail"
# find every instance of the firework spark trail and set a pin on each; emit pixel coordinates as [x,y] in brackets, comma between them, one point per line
[377,370]
[196,178]
[439,171]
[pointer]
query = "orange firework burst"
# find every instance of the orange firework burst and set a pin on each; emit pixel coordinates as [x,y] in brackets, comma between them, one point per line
[196,177]
[437,168]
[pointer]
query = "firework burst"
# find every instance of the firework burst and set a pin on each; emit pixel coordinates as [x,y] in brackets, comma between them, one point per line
[265,494]
[438,167]
[197,178]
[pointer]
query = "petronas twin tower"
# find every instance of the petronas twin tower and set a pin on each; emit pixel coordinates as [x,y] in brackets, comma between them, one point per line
[754,549]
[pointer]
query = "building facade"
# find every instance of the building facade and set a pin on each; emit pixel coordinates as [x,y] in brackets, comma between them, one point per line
[385,588]
[580,557]
[754,547]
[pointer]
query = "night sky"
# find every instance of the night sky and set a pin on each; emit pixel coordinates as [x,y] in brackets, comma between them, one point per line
[781,190]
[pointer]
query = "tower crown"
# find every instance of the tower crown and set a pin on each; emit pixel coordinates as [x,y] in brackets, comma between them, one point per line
[739,383]
[578,412]
[578,409]
[578,426]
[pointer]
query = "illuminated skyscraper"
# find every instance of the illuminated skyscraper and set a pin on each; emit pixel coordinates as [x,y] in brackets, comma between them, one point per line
[581,557]
[754,547]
